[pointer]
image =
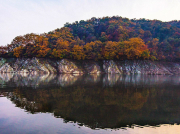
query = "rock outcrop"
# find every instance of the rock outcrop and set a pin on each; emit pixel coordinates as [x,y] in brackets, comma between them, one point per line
[67,66]
[33,66]
[110,67]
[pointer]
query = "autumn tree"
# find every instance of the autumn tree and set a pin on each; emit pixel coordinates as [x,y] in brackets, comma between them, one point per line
[56,54]
[102,38]
[111,50]
[30,50]
[93,50]
[63,33]
[18,51]
[3,50]
[22,41]
[134,48]
[153,48]
[42,46]
[78,52]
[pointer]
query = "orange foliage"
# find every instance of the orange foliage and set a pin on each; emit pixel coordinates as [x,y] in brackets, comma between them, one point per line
[134,48]
[62,47]
[42,45]
[18,51]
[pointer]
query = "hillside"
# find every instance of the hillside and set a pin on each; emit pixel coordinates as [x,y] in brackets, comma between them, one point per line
[100,39]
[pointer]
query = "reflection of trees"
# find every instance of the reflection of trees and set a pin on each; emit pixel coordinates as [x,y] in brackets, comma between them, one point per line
[135,101]
[22,102]
[77,103]
[89,100]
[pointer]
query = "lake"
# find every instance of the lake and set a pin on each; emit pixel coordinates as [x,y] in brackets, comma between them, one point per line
[126,104]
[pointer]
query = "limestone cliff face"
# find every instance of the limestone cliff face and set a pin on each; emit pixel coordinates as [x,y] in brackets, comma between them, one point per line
[111,67]
[23,66]
[35,66]
[67,66]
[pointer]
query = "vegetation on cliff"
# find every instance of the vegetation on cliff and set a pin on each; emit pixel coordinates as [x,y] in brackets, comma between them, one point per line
[102,38]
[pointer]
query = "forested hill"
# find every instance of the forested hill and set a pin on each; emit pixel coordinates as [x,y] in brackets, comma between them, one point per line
[102,38]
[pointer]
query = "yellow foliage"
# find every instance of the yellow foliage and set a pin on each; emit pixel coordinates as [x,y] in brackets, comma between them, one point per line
[111,50]
[93,50]
[78,52]
[57,53]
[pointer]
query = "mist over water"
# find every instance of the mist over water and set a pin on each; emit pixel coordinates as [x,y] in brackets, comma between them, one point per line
[85,103]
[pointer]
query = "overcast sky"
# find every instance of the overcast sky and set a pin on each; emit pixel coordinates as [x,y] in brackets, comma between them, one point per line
[19,17]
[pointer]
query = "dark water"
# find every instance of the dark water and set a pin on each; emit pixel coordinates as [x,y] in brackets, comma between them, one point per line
[130,104]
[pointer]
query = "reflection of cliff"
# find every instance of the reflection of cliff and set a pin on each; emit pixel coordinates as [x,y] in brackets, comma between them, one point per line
[35,81]
[18,80]
[103,101]
[65,80]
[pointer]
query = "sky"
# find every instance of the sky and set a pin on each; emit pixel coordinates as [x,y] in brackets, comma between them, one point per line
[19,17]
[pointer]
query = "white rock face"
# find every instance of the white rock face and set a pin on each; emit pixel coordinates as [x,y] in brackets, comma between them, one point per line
[67,66]
[25,66]
[34,66]
[92,68]
[6,68]
[110,67]
[95,69]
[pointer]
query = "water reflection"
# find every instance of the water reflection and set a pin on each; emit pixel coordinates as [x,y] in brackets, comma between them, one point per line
[108,80]
[98,101]
[67,79]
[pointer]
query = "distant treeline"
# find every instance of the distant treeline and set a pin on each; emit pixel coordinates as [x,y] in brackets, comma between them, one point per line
[102,38]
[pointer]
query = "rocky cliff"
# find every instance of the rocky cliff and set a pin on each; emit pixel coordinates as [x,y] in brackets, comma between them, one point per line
[26,66]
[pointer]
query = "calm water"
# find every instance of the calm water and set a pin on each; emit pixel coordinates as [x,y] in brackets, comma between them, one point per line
[127,104]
